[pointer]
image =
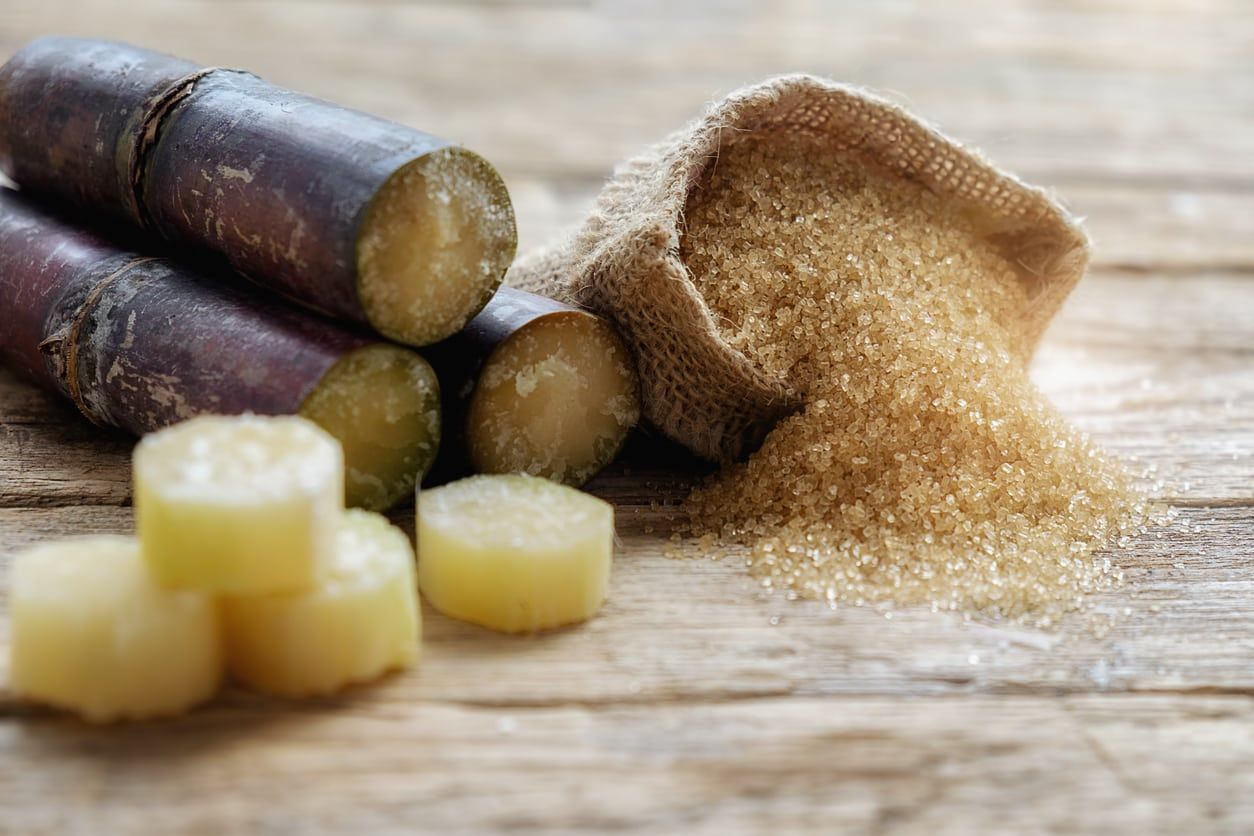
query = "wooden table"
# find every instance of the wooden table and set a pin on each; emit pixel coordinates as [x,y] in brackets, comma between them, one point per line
[696,702]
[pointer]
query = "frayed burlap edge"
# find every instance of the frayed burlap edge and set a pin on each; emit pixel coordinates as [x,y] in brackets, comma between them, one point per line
[624,261]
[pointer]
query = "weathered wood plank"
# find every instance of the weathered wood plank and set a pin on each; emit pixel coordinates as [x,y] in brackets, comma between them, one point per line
[51,455]
[1072,765]
[1093,93]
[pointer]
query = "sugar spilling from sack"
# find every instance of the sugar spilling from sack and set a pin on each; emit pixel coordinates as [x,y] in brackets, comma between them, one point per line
[926,468]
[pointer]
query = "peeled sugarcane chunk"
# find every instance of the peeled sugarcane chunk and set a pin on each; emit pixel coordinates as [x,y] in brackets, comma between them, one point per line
[383,404]
[359,620]
[242,504]
[92,632]
[514,553]
[434,245]
[556,399]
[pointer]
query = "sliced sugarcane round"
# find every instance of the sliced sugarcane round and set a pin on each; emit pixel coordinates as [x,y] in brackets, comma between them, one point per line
[241,504]
[383,404]
[514,553]
[557,398]
[434,245]
[359,620]
[93,633]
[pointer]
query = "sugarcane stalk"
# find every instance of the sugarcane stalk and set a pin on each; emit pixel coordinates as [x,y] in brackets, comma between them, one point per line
[361,218]
[140,343]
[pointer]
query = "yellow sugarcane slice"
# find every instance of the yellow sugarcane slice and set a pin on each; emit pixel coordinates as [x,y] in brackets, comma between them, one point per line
[92,632]
[359,620]
[241,504]
[514,553]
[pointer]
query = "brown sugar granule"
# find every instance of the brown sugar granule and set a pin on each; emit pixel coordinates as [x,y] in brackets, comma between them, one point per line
[925,468]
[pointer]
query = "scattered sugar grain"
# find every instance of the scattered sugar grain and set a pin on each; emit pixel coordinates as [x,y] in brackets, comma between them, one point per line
[925,468]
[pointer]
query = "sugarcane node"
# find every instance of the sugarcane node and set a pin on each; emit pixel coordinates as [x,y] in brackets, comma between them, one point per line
[149,130]
[71,372]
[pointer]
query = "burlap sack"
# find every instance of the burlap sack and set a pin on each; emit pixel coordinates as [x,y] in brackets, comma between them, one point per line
[624,261]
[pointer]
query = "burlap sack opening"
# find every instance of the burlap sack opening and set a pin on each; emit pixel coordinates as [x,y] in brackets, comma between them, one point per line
[624,261]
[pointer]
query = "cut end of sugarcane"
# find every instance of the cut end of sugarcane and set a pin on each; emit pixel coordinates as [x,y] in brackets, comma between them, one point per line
[556,399]
[94,634]
[383,404]
[434,245]
[514,553]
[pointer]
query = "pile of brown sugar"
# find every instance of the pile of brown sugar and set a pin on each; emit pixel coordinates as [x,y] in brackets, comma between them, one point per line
[925,468]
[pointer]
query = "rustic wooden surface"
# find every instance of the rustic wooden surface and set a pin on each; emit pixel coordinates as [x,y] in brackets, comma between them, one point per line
[696,702]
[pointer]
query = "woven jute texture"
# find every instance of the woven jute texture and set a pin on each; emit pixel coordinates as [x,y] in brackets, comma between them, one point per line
[623,262]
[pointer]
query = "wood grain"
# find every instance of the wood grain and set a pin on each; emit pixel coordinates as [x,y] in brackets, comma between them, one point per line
[765,765]
[1099,90]
[697,702]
